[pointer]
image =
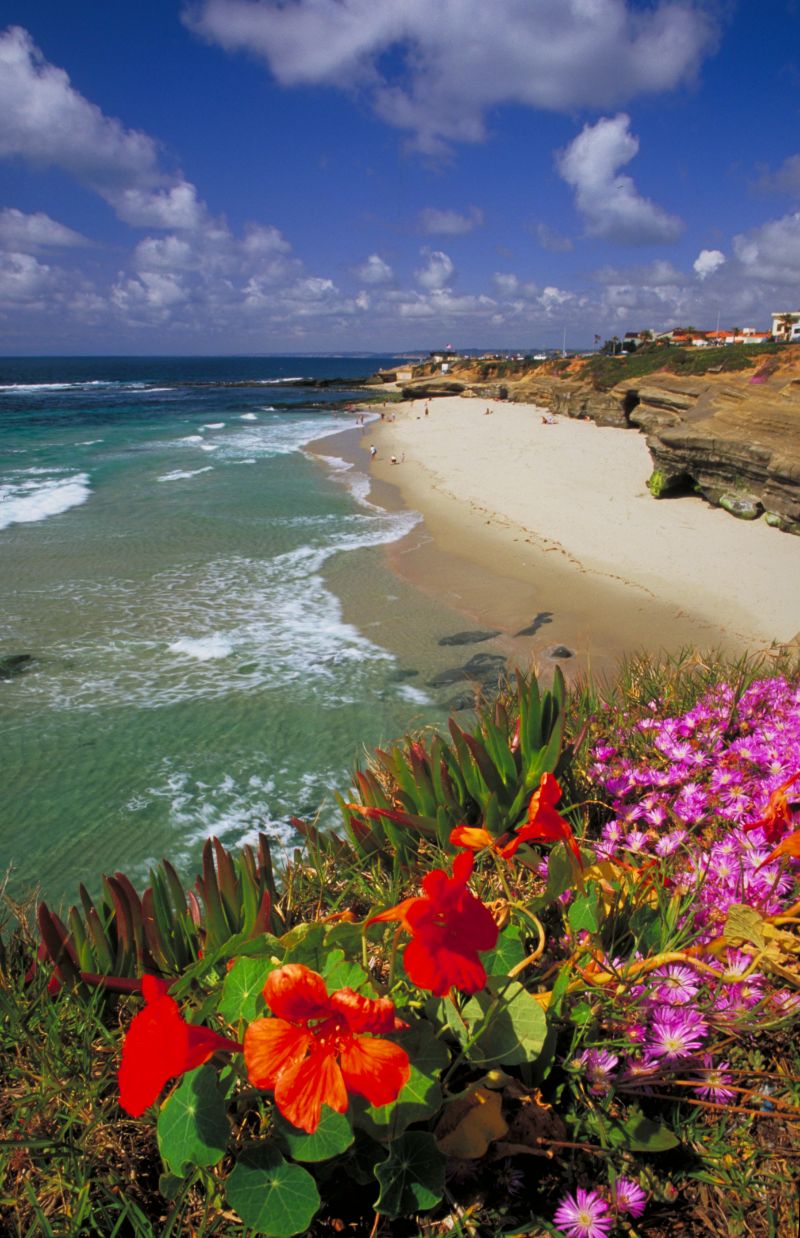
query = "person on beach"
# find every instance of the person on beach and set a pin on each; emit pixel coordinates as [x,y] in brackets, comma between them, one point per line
[426,410]
[373,451]
[393,460]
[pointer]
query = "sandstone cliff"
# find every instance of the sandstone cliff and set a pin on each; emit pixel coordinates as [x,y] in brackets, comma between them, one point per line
[732,437]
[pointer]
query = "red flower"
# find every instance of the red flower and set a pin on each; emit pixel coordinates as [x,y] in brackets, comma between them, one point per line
[312,1053]
[160,1045]
[778,812]
[544,823]
[449,926]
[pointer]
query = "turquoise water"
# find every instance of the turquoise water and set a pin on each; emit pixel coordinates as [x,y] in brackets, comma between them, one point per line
[163,542]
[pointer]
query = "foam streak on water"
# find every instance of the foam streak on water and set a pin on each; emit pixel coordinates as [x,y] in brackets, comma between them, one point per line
[188,670]
[23,502]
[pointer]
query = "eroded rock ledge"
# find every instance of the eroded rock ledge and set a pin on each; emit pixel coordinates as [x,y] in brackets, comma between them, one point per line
[733,438]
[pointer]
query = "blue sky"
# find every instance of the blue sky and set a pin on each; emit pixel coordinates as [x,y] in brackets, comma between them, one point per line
[238,176]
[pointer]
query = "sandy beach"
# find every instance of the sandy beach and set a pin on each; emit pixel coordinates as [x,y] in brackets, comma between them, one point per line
[556,519]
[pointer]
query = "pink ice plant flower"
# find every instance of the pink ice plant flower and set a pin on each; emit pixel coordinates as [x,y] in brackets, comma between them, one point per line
[598,1064]
[630,1197]
[713,1081]
[584,1215]
[674,1034]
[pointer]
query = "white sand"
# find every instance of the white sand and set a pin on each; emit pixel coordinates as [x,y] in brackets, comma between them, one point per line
[577,492]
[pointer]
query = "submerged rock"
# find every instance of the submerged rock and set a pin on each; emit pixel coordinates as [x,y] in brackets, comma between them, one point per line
[560,651]
[13,664]
[481,663]
[485,668]
[468,638]
[464,701]
[443,678]
[543,617]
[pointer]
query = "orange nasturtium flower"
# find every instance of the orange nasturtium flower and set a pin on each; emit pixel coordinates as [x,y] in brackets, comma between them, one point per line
[160,1045]
[312,1053]
[449,927]
[544,824]
[778,812]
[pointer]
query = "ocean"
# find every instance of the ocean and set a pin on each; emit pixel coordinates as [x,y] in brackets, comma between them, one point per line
[176,661]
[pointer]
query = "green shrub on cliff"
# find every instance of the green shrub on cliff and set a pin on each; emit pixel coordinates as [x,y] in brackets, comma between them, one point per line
[605,372]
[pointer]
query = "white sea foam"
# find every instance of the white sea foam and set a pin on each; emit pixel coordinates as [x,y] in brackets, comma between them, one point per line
[213,425]
[180,474]
[23,388]
[204,648]
[90,442]
[264,440]
[209,446]
[235,808]
[248,417]
[24,502]
[358,483]
[416,695]
[192,438]
[246,625]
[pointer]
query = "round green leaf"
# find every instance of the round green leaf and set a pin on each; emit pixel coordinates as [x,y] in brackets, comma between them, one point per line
[507,1026]
[241,990]
[272,1195]
[333,1135]
[508,952]
[192,1124]
[412,1176]
[584,914]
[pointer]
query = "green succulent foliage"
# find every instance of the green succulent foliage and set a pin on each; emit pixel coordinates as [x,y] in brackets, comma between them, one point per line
[120,935]
[423,788]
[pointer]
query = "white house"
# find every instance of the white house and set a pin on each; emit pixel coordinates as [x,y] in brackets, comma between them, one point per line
[786,325]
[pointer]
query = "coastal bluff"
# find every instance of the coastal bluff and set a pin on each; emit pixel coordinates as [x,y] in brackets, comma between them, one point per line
[731,435]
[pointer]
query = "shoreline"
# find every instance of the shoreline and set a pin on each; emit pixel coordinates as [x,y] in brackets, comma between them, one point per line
[522,519]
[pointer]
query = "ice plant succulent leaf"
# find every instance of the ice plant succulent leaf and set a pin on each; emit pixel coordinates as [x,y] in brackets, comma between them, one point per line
[317,1053]
[159,1046]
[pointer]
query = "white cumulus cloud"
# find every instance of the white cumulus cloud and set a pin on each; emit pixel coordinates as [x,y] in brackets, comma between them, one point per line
[611,204]
[450,223]
[772,251]
[461,58]
[438,271]
[374,271]
[47,122]
[707,262]
[30,232]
